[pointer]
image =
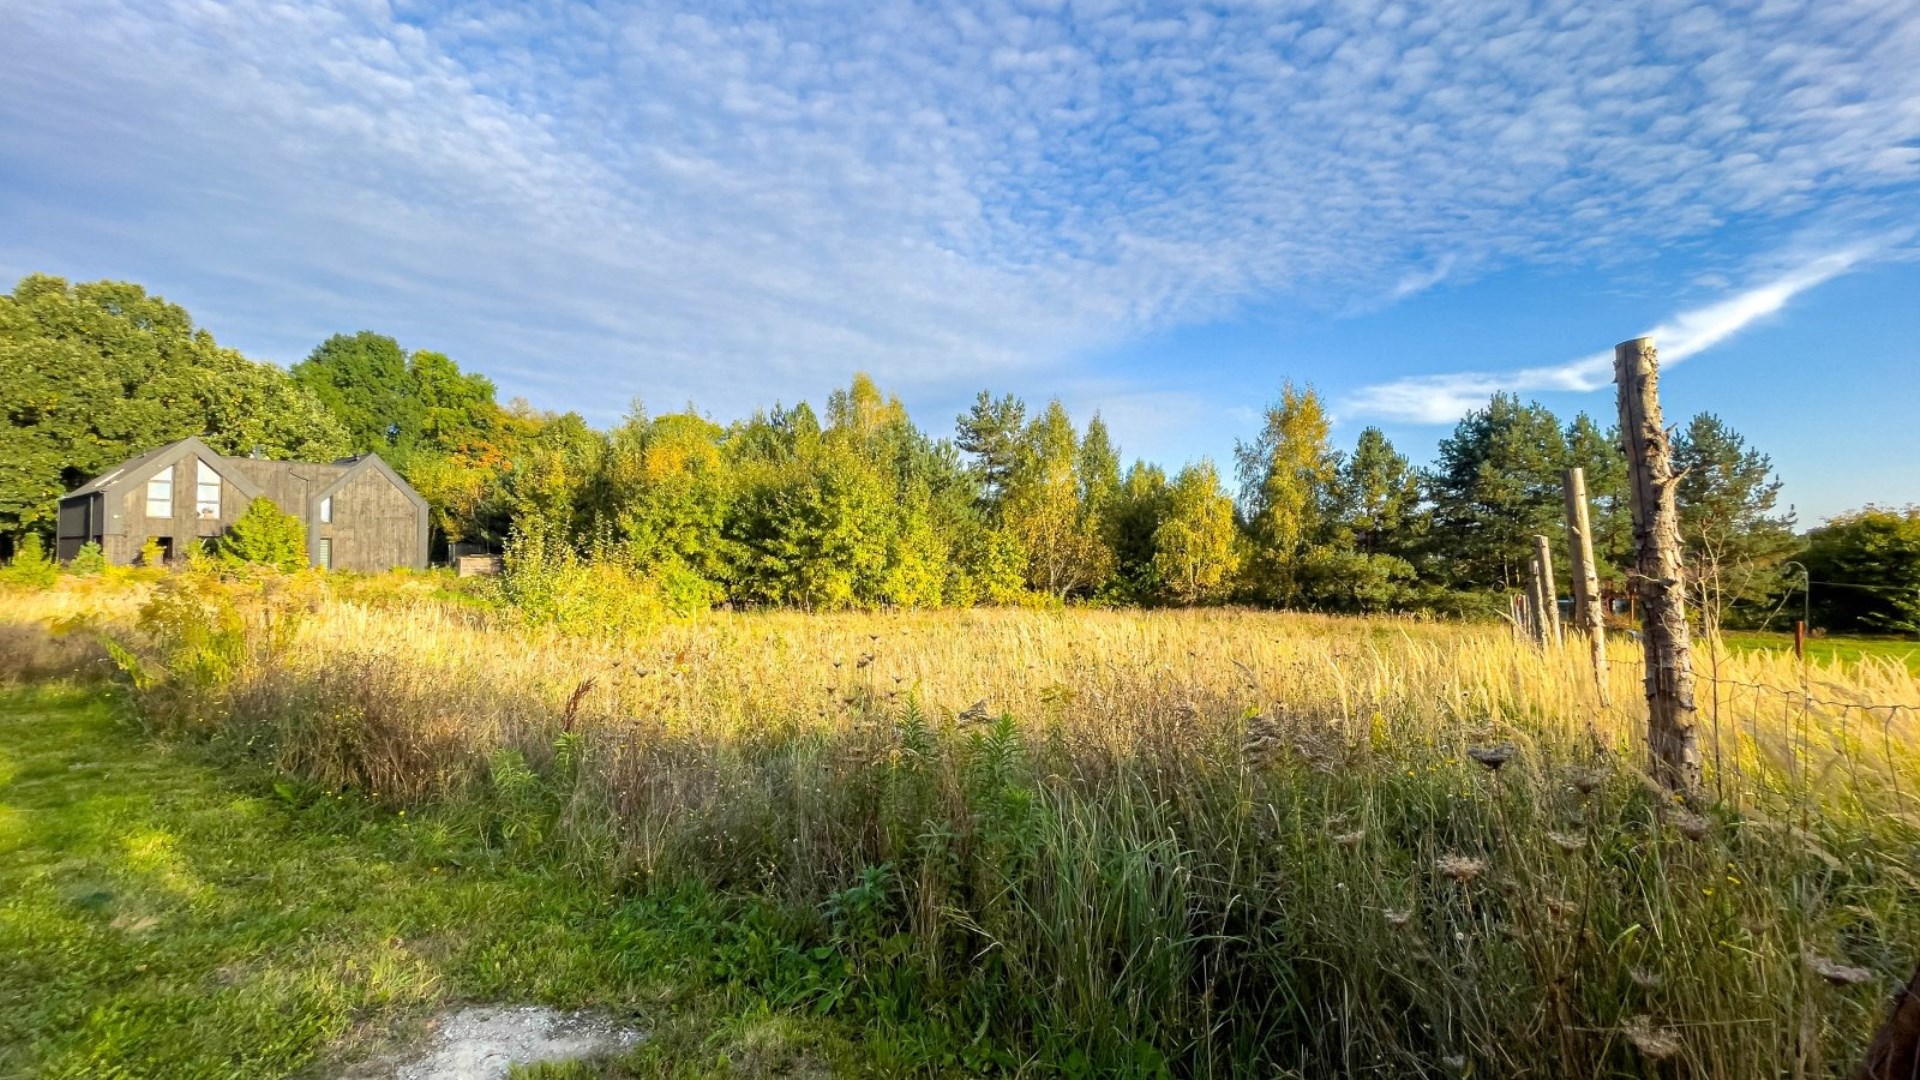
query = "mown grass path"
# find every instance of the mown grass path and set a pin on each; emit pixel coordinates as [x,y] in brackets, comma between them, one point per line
[156,920]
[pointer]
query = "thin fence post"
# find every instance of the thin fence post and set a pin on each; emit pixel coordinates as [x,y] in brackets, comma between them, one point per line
[1672,737]
[1536,602]
[1589,610]
[1549,592]
[1799,639]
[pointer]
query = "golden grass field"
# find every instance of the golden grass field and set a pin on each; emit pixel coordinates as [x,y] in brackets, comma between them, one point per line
[1208,841]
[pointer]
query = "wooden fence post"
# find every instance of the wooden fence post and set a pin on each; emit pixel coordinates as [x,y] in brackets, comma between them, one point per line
[1589,611]
[1536,604]
[1672,738]
[1549,592]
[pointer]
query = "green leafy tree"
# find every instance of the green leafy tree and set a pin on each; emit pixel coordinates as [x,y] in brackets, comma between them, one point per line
[1287,476]
[1866,571]
[96,373]
[364,381]
[264,535]
[1097,469]
[666,490]
[1043,508]
[1736,541]
[815,532]
[917,571]
[550,486]
[991,568]
[1135,516]
[1194,556]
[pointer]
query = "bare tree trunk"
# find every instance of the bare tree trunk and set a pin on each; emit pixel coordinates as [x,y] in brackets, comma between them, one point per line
[1589,610]
[1657,579]
[1549,592]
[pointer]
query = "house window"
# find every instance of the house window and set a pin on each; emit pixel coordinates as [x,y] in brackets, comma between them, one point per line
[326,510]
[207,492]
[323,555]
[160,495]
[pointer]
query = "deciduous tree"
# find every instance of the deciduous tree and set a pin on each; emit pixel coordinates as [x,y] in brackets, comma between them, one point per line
[1194,555]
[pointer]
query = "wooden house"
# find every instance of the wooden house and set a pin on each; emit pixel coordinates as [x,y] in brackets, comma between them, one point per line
[359,513]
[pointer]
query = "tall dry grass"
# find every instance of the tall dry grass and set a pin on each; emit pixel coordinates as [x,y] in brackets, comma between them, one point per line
[1210,842]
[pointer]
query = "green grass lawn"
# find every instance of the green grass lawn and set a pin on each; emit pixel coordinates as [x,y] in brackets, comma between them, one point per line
[1824,649]
[163,915]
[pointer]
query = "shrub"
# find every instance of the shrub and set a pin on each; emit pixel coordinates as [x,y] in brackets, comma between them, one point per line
[30,566]
[1874,555]
[88,561]
[550,584]
[265,535]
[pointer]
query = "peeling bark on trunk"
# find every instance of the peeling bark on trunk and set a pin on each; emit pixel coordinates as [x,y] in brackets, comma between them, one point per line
[1657,581]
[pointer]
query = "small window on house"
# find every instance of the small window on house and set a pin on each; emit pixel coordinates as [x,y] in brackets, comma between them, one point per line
[326,510]
[160,495]
[207,492]
[323,555]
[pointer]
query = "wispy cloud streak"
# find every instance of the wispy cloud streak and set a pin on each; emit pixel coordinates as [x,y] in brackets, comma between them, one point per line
[1442,399]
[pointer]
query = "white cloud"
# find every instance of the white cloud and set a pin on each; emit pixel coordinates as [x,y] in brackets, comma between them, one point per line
[734,203]
[1442,399]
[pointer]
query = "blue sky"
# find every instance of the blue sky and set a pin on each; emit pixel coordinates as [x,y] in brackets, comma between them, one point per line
[1158,212]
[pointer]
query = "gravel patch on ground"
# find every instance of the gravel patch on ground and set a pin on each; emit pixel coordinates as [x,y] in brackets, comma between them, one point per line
[482,1042]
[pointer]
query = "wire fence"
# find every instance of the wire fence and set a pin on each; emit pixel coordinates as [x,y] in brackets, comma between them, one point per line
[1816,730]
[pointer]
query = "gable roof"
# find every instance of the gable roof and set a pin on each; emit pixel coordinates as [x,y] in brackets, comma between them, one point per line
[370,463]
[143,468]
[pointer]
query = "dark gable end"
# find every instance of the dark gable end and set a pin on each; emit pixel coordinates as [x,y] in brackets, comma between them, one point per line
[98,508]
[355,533]
[392,530]
[116,482]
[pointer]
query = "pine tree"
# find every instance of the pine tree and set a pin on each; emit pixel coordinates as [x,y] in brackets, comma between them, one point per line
[991,433]
[88,561]
[1610,515]
[1496,484]
[1376,497]
[30,565]
[1726,495]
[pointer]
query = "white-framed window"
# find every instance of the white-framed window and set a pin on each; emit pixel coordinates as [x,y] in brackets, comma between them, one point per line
[206,492]
[326,510]
[323,555]
[160,495]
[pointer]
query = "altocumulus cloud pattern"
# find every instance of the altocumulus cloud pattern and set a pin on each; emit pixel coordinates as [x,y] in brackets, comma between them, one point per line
[747,195]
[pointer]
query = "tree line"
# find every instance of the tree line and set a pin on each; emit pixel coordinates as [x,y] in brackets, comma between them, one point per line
[857,506]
